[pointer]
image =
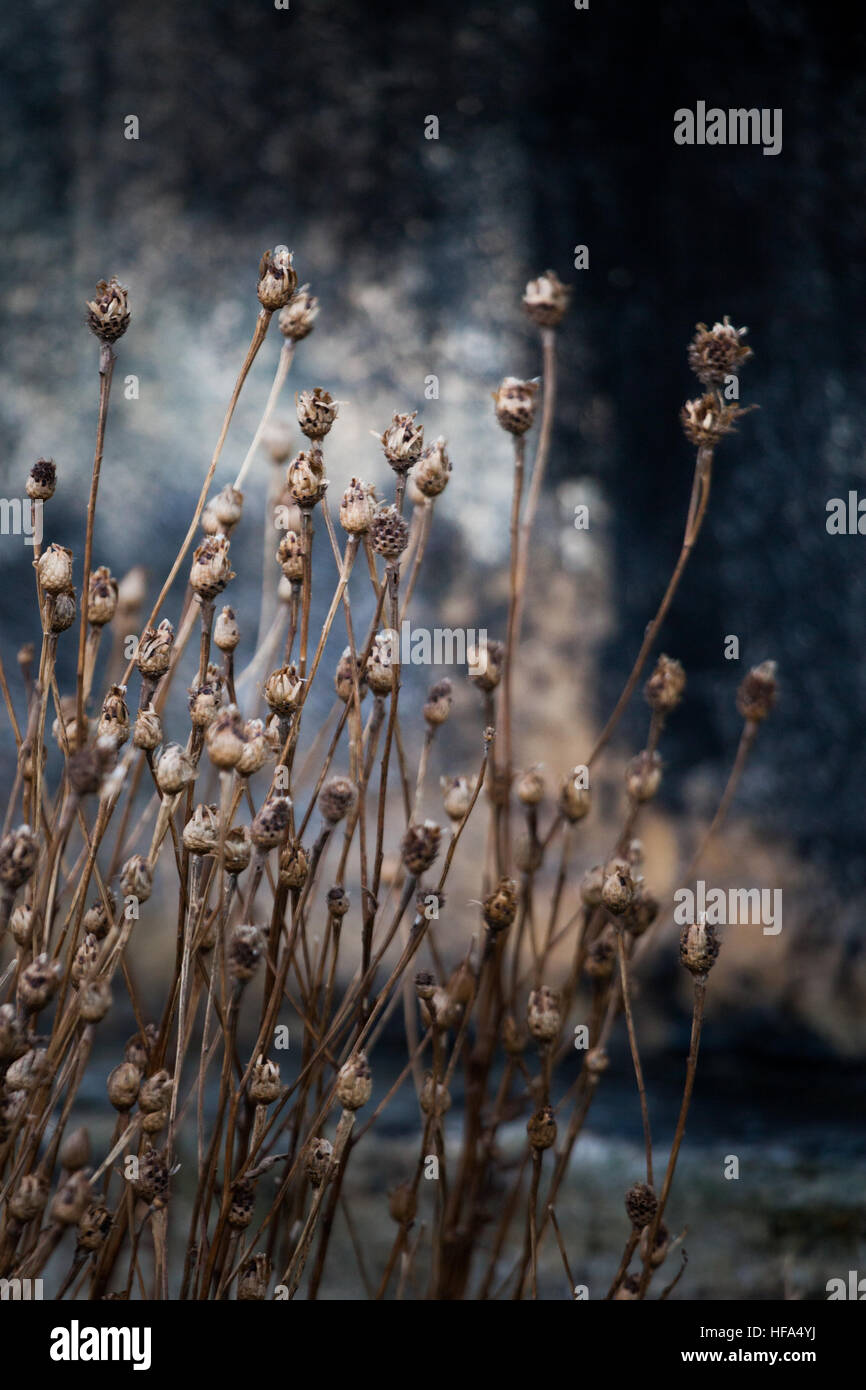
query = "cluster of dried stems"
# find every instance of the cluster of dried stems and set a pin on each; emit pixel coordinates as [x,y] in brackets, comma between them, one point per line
[262,862]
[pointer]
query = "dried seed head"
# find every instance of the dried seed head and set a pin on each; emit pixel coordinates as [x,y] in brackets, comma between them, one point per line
[457,793]
[305,479]
[354,1082]
[151,1185]
[94,1226]
[211,567]
[485,664]
[256,749]
[108,312]
[317,410]
[173,769]
[437,706]
[95,1000]
[136,878]
[389,532]
[123,1086]
[338,901]
[643,776]
[13,1106]
[226,633]
[244,952]
[271,822]
[357,507]
[54,569]
[425,984]
[204,702]
[699,947]
[337,798]
[290,557]
[155,1093]
[530,786]
[420,847]
[29,1198]
[75,1150]
[12,1038]
[41,480]
[38,982]
[243,1200]
[202,830]
[294,866]
[641,1205]
[237,849]
[84,960]
[114,719]
[147,731]
[544,1014]
[298,316]
[61,612]
[139,1048]
[28,1072]
[718,352]
[499,908]
[379,670]
[541,1128]
[575,797]
[265,1086]
[225,739]
[664,689]
[434,1099]
[154,649]
[433,470]
[757,694]
[403,1204]
[88,767]
[18,855]
[277,279]
[283,690]
[255,1273]
[21,924]
[515,404]
[102,593]
[528,854]
[71,1200]
[546,299]
[227,507]
[619,888]
[317,1161]
[707,420]
[403,442]
[344,683]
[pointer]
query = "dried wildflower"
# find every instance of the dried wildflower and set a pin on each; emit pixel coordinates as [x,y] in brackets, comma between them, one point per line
[528,854]
[147,731]
[641,1205]
[54,568]
[600,957]
[298,316]
[317,410]
[575,797]
[173,769]
[425,984]
[433,470]
[642,913]
[643,776]
[457,793]
[155,1092]
[546,299]
[71,1200]
[338,901]
[499,908]
[485,664]
[84,960]
[420,847]
[354,1082]
[357,507]
[707,420]
[151,1184]
[255,1275]
[618,890]
[757,694]
[88,767]
[204,703]
[65,727]
[544,1014]
[114,719]
[75,1150]
[225,739]
[255,751]
[515,404]
[237,849]
[139,1048]
[243,1198]
[290,556]
[699,947]
[283,690]
[21,924]
[108,313]
[271,823]
[38,982]
[211,567]
[93,1228]
[437,706]
[226,633]
[123,1086]
[403,1204]
[541,1128]
[29,1198]
[661,1245]
[154,649]
[29,1071]
[389,532]
[403,442]
[95,1000]
[227,507]
[201,832]
[102,595]
[136,878]
[61,614]
[379,670]
[12,1037]
[41,480]
[530,786]
[434,1098]
[337,798]
[664,689]
[265,1086]
[305,478]
[277,279]
[18,855]
[346,673]
[718,352]
[317,1161]
[294,866]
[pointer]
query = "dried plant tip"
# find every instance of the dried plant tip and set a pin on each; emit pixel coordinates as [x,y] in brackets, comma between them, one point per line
[641,1205]
[237,849]
[155,1093]
[227,507]
[317,1160]
[226,633]
[243,1200]
[707,420]
[575,797]
[225,739]
[337,798]
[31,1070]
[38,983]
[420,847]
[136,878]
[403,1204]
[338,901]
[299,315]
[75,1150]
[629,1289]
[29,1198]
[290,557]
[151,1184]
[154,649]
[357,507]
[41,480]
[294,866]
[204,702]
[61,612]
[202,830]
[433,470]
[147,731]
[757,694]
[344,677]
[54,569]
[515,402]
[265,1085]
[354,1082]
[317,410]
[457,794]
[211,567]
[271,823]
[95,1000]
[84,960]
[254,1278]
[93,1228]
[403,441]
[434,1099]
[664,689]
[123,1085]
[485,664]
[245,951]
[305,479]
[379,670]
[139,1048]
[256,749]
[544,1014]
[618,890]
[114,719]
[277,279]
[71,1200]
[108,312]
[437,706]
[547,299]
[718,352]
[530,786]
[173,769]
[699,947]
[102,594]
[499,908]
[12,1038]
[643,776]
[389,532]
[19,852]
[425,984]
[283,690]
[21,925]
[541,1128]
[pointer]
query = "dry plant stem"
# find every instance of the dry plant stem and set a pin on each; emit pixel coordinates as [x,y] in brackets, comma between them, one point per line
[539,468]
[106,368]
[744,748]
[698,504]
[506,771]
[635,1054]
[284,363]
[561,1243]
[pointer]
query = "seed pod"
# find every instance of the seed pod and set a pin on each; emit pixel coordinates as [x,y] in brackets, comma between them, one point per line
[541,1128]
[62,612]
[155,1092]
[139,1048]
[108,312]
[114,719]
[544,1014]
[354,1082]
[225,739]
[102,595]
[437,706]
[228,506]
[515,404]
[243,1200]
[298,316]
[88,767]
[71,1200]
[528,854]
[75,1150]
[18,855]
[707,420]
[337,798]
[211,567]
[317,1161]
[357,507]
[338,901]
[84,960]
[420,847]
[283,690]
[485,664]
[379,670]
[205,703]
[575,799]
[425,984]
[642,913]
[618,890]
[265,1086]
[147,732]
[757,694]
[29,1198]
[434,1100]
[38,982]
[596,1061]
[290,556]
[718,352]
[151,1184]
[305,479]
[244,952]
[500,907]
[433,470]
[643,776]
[277,279]
[255,750]
[403,442]
[21,924]
[530,786]
[641,1205]
[54,569]
[28,1072]
[173,769]
[123,1086]
[12,1037]
[12,1108]
[389,532]
[41,480]
[136,878]
[403,1204]
[201,832]
[95,1000]
[294,866]
[226,633]
[457,793]
[154,649]
[94,1226]
[271,823]
[317,410]
[344,682]
[237,849]
[699,947]
[664,689]
[255,1273]
[546,299]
